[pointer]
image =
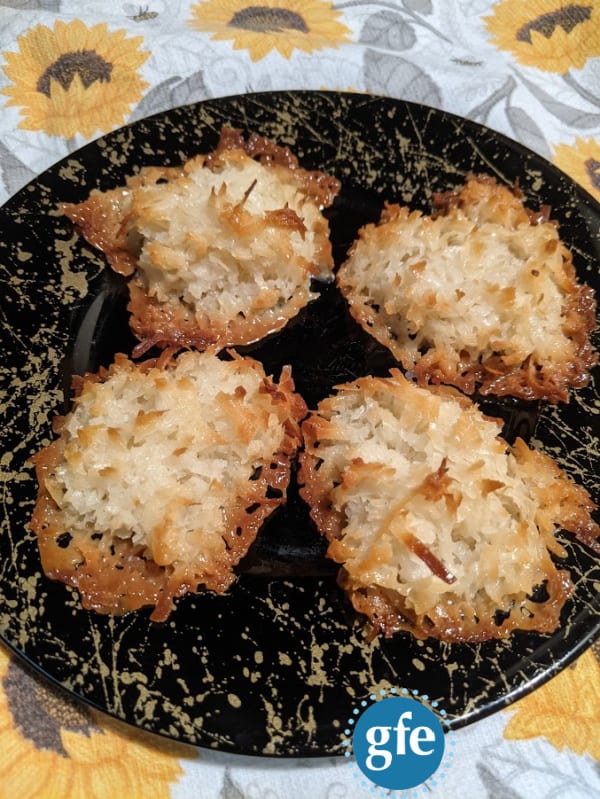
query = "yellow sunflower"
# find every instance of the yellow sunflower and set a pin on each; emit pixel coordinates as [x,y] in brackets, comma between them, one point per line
[282,25]
[565,710]
[582,163]
[51,746]
[552,35]
[74,78]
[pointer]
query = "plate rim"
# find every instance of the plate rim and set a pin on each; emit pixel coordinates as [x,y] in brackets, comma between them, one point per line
[505,141]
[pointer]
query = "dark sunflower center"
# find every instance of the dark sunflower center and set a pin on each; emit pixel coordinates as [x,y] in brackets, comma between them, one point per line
[86,63]
[39,711]
[567,18]
[262,19]
[592,167]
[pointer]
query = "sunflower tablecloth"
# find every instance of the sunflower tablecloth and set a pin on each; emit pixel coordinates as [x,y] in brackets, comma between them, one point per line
[70,71]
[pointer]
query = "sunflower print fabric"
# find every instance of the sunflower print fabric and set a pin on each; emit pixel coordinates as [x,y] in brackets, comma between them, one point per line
[72,78]
[567,715]
[48,744]
[581,160]
[281,25]
[71,72]
[553,36]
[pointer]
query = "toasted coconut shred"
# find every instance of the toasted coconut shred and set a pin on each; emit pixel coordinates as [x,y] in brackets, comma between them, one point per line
[480,295]
[441,528]
[222,250]
[162,476]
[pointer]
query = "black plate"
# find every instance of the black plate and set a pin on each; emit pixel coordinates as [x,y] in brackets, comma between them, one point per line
[278,664]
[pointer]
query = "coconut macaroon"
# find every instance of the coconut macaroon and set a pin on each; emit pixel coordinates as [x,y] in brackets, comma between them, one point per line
[441,528]
[222,249]
[480,295]
[161,477]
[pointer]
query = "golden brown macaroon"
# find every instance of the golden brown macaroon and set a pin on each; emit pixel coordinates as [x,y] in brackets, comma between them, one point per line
[441,528]
[161,476]
[222,249]
[480,295]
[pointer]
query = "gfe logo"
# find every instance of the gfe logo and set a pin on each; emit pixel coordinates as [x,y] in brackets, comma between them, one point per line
[398,743]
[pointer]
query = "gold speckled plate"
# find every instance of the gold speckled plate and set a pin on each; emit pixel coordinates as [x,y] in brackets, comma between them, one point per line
[277,665]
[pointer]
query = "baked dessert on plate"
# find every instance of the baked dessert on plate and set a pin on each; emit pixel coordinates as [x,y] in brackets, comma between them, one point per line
[222,250]
[161,477]
[439,526]
[482,294]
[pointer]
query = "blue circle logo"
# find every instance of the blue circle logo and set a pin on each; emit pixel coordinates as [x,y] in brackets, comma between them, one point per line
[398,743]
